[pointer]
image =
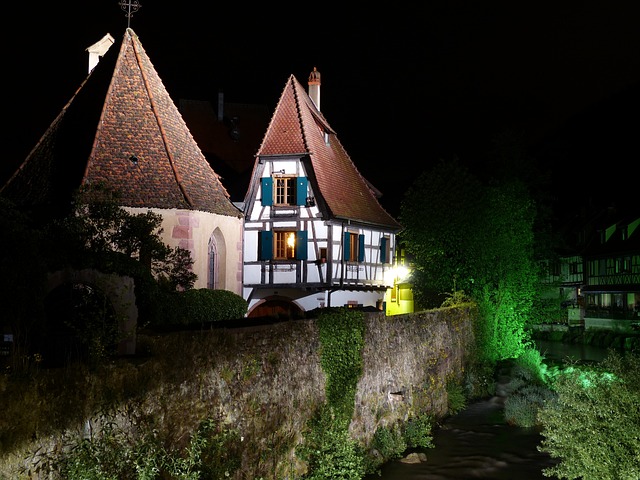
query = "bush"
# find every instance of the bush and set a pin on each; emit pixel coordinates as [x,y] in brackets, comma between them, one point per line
[389,442]
[199,306]
[594,425]
[329,450]
[456,401]
[521,407]
[417,432]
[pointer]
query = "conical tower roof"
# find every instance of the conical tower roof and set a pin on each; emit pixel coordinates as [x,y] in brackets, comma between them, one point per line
[121,129]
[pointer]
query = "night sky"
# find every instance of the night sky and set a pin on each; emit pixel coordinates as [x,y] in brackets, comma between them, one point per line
[401,85]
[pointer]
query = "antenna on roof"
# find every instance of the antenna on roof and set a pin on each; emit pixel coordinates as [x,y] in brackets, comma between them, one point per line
[131,7]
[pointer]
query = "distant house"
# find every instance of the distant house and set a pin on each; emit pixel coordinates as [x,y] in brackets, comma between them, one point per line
[122,129]
[315,234]
[599,276]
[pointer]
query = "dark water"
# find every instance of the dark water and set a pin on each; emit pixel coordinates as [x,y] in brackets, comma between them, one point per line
[478,444]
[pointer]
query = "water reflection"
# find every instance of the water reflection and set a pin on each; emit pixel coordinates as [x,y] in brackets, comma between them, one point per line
[559,351]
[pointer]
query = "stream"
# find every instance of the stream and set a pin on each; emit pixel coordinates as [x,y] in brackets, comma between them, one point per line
[476,443]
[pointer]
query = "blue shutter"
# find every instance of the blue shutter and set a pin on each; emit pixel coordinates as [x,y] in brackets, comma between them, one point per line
[301,191]
[266,245]
[361,248]
[383,249]
[267,191]
[301,244]
[346,243]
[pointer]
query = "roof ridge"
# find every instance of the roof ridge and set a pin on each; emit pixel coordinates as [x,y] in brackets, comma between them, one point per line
[163,133]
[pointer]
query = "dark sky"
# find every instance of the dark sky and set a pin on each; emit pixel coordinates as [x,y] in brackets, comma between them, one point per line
[401,85]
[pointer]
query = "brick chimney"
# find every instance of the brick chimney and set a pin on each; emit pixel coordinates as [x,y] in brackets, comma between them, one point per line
[314,87]
[98,49]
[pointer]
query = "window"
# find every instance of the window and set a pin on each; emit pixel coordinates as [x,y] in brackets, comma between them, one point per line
[385,250]
[212,274]
[353,247]
[284,191]
[283,245]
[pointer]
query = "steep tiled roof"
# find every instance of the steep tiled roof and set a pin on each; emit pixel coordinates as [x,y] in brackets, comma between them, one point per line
[121,129]
[298,127]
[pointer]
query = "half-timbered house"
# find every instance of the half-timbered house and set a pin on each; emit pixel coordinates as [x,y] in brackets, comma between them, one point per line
[315,234]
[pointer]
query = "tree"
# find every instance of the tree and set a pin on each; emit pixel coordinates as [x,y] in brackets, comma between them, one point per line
[477,237]
[439,215]
[97,234]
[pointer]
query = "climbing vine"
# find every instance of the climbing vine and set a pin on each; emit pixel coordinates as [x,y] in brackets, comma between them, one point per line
[328,444]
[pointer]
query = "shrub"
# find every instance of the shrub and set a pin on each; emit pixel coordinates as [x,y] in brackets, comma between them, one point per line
[329,450]
[200,306]
[521,407]
[417,432]
[456,400]
[593,426]
[389,442]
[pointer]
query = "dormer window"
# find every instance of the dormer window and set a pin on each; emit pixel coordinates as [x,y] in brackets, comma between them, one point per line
[284,191]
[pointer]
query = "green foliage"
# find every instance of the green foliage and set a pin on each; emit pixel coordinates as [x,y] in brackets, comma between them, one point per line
[417,432]
[439,213]
[531,362]
[593,427]
[115,453]
[522,406]
[329,450]
[96,234]
[456,400]
[457,297]
[102,235]
[198,306]
[341,344]
[479,380]
[389,442]
[466,236]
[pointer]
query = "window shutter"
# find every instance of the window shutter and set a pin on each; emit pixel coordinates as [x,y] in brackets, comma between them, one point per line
[266,245]
[301,190]
[301,244]
[383,249]
[267,191]
[346,254]
[361,248]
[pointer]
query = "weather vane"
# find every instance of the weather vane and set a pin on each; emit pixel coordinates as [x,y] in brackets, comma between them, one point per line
[131,7]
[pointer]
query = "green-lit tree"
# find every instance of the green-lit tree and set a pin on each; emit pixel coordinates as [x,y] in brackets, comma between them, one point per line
[476,236]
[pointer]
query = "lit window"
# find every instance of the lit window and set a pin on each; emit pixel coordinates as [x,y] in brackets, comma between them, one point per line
[284,245]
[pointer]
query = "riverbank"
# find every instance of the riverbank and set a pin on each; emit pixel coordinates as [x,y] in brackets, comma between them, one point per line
[625,341]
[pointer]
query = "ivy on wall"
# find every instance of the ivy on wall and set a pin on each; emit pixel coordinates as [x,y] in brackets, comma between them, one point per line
[329,450]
